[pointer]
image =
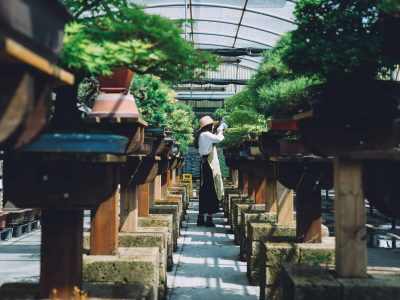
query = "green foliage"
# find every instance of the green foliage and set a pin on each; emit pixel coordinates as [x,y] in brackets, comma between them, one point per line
[242,118]
[272,67]
[182,121]
[88,91]
[112,33]
[337,39]
[284,98]
[153,98]
[157,103]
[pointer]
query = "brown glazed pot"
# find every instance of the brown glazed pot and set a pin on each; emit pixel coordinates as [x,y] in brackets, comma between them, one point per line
[282,125]
[115,105]
[118,82]
[118,114]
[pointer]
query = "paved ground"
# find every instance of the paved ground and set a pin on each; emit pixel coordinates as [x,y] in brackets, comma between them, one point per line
[206,262]
[207,265]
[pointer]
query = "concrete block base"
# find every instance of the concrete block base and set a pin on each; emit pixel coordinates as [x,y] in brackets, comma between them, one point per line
[266,230]
[275,251]
[137,266]
[301,282]
[154,221]
[168,209]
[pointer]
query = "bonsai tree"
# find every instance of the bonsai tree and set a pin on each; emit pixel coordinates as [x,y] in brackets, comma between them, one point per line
[113,33]
[182,121]
[241,116]
[154,99]
[338,40]
[278,91]
[159,107]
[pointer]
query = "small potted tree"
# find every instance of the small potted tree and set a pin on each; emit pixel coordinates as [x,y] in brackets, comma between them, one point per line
[343,43]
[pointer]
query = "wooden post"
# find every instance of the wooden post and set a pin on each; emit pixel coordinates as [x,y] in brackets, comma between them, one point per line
[245,183]
[235,177]
[152,192]
[157,188]
[173,176]
[164,184]
[129,209]
[271,195]
[168,179]
[350,232]
[251,186]
[104,227]
[260,192]
[61,253]
[144,200]
[284,205]
[308,216]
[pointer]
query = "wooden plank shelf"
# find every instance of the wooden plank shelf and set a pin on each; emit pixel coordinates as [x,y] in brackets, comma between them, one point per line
[13,52]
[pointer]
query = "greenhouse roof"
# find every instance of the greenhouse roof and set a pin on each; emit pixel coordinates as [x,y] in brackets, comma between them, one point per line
[238,30]
[222,25]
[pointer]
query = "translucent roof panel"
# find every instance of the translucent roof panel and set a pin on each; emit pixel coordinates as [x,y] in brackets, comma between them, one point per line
[234,23]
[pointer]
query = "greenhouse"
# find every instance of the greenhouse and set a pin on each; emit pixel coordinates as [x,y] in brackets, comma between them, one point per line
[200,149]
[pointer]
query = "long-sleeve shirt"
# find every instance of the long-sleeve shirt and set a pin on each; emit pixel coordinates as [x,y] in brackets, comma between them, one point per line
[206,141]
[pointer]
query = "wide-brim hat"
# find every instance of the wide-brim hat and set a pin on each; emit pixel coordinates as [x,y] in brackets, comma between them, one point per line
[207,120]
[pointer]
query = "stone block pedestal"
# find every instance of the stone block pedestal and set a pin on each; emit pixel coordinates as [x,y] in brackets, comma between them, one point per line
[262,230]
[275,251]
[305,282]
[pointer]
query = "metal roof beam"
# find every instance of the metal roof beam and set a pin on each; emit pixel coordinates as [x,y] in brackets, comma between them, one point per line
[230,36]
[234,24]
[234,52]
[222,6]
[216,81]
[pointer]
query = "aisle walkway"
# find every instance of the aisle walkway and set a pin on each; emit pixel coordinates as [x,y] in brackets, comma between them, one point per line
[206,264]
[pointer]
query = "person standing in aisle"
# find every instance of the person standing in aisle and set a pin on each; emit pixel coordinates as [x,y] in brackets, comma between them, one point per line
[211,188]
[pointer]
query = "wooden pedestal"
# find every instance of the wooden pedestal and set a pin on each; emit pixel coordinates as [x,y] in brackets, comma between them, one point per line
[129,209]
[104,227]
[61,253]
[144,200]
[350,231]
[308,216]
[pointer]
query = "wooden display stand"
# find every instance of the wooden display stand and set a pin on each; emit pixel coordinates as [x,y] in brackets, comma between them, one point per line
[350,230]
[104,227]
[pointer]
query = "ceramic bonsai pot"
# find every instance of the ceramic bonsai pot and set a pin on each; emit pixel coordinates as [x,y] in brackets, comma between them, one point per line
[24,105]
[269,143]
[36,24]
[159,134]
[129,168]
[3,218]
[381,185]
[153,142]
[282,125]
[118,82]
[163,166]
[64,171]
[304,173]
[350,118]
[118,114]
[146,172]
[173,163]
[169,140]
[292,146]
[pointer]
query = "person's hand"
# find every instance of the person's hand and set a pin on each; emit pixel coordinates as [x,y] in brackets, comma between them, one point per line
[222,126]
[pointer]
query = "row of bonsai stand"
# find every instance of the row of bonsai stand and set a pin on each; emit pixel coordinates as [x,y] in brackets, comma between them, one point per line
[137,206]
[289,253]
[110,162]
